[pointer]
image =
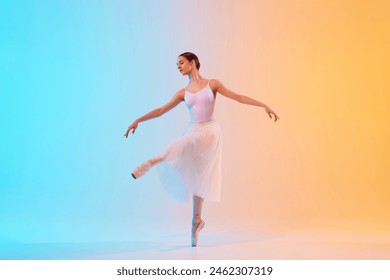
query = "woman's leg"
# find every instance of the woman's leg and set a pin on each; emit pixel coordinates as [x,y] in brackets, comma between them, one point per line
[197,222]
[156,160]
[197,209]
[140,171]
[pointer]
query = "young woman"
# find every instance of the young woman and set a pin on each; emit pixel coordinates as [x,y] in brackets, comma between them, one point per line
[195,157]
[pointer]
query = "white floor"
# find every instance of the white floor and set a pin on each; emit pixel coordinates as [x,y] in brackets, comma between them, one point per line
[309,244]
[234,243]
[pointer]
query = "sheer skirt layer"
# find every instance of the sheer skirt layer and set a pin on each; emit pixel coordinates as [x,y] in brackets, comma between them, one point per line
[192,164]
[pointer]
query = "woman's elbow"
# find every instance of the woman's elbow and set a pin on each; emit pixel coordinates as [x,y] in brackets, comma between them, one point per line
[159,112]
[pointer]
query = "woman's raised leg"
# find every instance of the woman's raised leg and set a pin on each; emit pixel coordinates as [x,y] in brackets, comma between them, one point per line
[140,171]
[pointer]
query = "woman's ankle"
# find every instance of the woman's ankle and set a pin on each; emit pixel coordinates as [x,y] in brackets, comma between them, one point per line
[196,219]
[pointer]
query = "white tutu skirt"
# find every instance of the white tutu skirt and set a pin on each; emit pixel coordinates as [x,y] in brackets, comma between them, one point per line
[192,164]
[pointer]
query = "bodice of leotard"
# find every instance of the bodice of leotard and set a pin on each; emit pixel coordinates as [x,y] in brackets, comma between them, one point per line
[200,104]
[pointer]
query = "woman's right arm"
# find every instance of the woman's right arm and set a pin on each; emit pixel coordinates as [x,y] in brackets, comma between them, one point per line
[176,99]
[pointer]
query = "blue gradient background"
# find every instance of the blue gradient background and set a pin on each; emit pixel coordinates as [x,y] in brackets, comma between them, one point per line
[73,76]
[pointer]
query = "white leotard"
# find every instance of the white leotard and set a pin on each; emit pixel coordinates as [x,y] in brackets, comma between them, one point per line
[200,104]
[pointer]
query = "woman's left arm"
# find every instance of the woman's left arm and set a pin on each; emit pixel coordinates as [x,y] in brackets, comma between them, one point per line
[218,86]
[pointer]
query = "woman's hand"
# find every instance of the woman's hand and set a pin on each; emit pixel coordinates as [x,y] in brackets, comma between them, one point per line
[270,112]
[133,127]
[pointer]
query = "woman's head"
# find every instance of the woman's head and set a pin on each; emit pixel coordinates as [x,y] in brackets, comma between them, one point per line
[186,60]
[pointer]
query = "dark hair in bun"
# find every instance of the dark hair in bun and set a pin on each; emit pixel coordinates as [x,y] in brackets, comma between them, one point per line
[191,56]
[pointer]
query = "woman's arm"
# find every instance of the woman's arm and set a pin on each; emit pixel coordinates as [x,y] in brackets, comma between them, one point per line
[176,99]
[242,98]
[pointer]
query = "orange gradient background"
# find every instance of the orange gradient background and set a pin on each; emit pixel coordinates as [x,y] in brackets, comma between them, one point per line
[323,67]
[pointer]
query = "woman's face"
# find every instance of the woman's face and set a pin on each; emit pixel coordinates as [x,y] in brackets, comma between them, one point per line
[184,65]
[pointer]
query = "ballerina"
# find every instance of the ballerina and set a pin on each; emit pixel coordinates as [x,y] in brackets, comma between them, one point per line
[196,156]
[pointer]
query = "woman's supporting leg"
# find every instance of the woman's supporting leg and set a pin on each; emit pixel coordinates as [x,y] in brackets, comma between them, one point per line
[140,171]
[197,209]
[197,222]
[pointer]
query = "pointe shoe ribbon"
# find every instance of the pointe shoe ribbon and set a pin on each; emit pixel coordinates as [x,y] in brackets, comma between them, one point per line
[140,171]
[195,235]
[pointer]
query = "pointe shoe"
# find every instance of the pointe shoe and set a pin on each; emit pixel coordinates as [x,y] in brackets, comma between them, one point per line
[195,234]
[140,171]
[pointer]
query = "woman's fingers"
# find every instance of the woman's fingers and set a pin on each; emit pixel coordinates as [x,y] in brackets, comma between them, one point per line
[132,129]
[272,113]
[127,132]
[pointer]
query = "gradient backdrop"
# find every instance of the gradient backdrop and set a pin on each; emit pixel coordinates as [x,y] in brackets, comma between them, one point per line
[74,74]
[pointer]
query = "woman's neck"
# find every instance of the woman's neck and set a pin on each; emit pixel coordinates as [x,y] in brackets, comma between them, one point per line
[194,77]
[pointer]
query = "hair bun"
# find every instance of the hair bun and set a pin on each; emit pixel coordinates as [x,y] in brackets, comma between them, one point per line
[191,56]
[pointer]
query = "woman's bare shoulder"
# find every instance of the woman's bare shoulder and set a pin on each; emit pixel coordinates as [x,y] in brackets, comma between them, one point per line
[214,84]
[180,94]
